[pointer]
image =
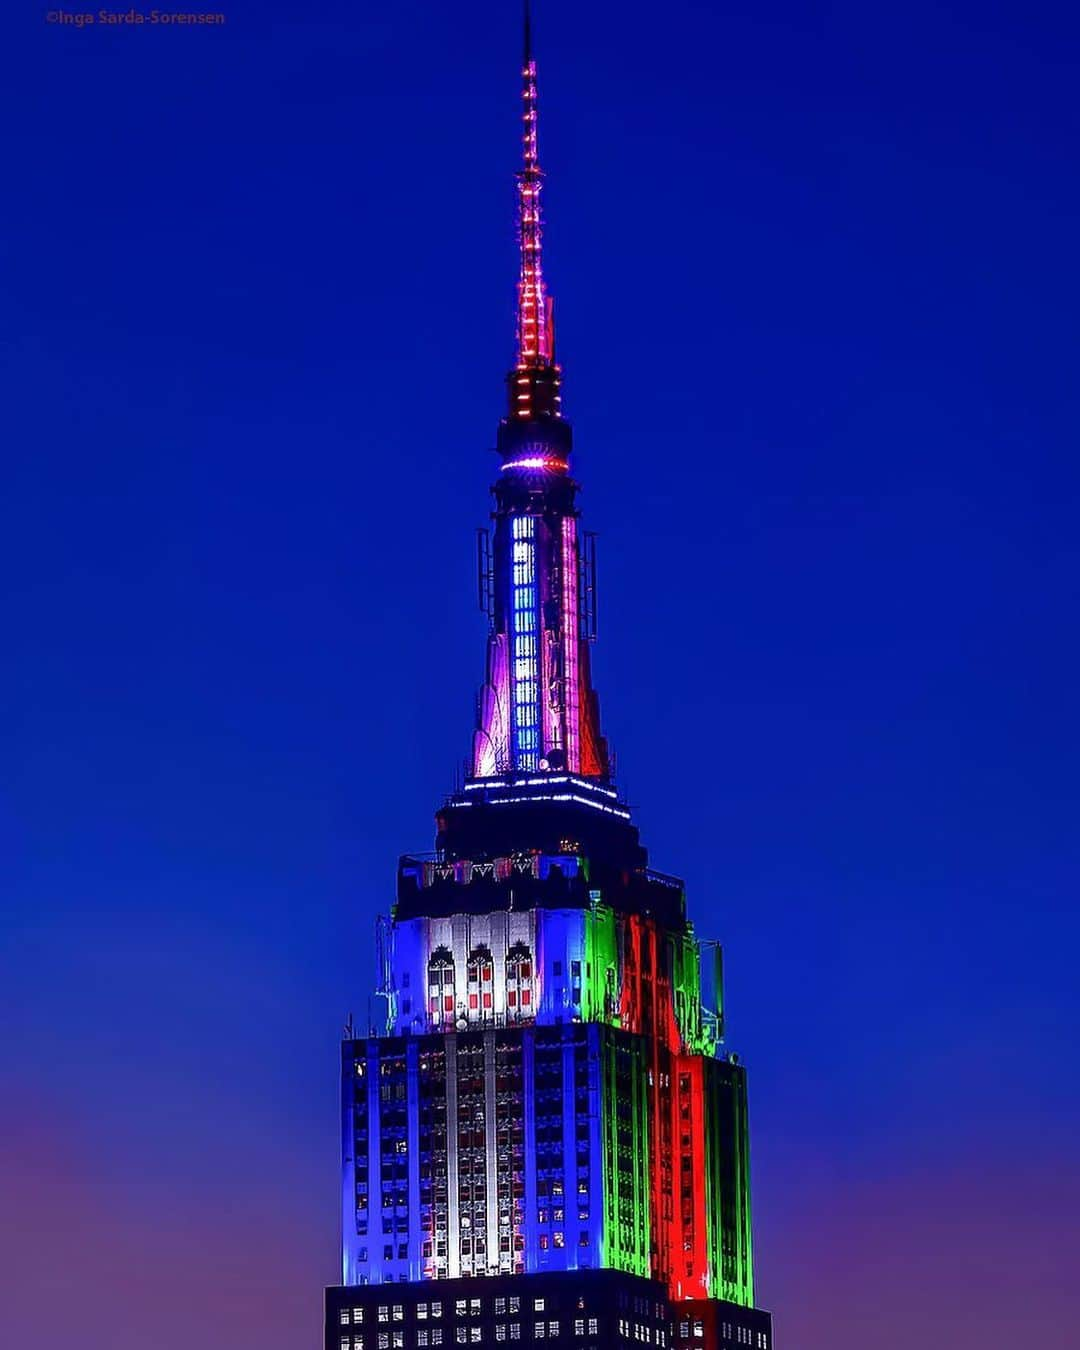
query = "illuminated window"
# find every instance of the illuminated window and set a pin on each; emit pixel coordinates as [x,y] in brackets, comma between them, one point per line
[441,984]
[594,1326]
[422,1337]
[519,978]
[474,1334]
[399,1313]
[538,1305]
[436,1335]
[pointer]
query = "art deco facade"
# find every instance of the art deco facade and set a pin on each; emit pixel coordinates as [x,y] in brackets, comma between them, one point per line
[547,1138]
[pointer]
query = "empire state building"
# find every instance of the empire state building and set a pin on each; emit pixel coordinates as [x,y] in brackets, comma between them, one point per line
[545,1139]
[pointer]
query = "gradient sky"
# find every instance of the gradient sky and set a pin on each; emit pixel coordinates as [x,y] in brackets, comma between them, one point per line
[817,284]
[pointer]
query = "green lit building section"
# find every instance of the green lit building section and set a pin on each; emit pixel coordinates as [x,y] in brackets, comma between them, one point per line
[727,1183]
[600,990]
[625,1132]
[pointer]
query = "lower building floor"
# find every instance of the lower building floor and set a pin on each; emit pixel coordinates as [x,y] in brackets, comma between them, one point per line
[566,1310]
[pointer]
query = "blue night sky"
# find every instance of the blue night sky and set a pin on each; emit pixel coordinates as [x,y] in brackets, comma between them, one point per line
[817,283]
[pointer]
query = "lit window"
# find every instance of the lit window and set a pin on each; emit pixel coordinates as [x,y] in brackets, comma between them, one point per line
[436,1309]
[474,1334]
[594,1326]
[460,1306]
[474,1307]
[436,1335]
[500,1331]
[384,1340]
[515,1304]
[538,1331]
[399,1313]
[553,1328]
[421,1312]
[384,1312]
[422,1337]
[357,1316]
[344,1317]
[515,1331]
[579,1326]
[461,1335]
[399,1340]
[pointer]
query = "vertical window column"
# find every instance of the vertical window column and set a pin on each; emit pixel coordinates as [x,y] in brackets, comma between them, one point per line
[571,629]
[524,640]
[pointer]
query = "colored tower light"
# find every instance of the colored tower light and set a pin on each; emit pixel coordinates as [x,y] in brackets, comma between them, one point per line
[570,640]
[525,685]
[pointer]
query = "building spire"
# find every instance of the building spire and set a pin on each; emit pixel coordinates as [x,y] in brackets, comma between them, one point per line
[534,391]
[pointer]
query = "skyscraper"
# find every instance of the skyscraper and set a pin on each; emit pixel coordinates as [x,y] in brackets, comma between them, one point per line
[544,1138]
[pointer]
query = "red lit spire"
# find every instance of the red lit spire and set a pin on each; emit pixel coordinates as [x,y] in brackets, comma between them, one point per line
[530,396]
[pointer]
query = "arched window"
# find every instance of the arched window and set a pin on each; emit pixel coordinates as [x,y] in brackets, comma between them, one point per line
[441,986]
[520,998]
[480,975]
